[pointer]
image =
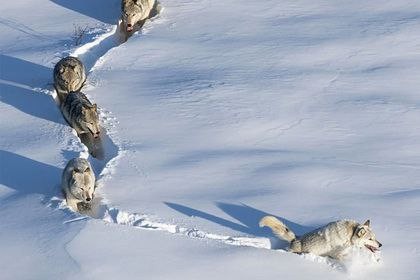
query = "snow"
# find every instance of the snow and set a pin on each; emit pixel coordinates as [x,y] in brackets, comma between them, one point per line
[216,114]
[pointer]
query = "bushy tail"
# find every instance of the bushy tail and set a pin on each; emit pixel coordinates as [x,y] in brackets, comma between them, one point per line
[278,228]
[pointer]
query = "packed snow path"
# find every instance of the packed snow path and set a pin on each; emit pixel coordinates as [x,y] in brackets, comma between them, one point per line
[91,54]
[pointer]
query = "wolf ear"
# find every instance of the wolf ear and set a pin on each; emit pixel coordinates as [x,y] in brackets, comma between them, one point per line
[367,223]
[361,232]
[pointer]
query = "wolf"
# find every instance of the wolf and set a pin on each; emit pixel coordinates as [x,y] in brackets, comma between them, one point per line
[69,75]
[332,240]
[134,13]
[78,183]
[81,114]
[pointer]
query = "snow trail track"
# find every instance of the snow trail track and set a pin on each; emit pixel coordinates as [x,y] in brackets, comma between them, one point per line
[111,150]
[91,55]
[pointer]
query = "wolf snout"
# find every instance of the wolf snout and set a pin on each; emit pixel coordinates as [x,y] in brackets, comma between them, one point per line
[88,199]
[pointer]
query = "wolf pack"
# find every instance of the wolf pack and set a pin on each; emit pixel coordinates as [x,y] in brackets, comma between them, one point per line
[78,180]
[78,184]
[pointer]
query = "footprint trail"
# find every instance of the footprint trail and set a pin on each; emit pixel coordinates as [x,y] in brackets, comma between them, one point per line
[108,152]
[91,54]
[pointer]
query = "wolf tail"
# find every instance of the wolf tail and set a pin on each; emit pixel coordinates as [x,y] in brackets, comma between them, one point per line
[278,228]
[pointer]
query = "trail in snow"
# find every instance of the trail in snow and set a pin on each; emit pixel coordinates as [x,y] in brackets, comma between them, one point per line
[141,221]
[104,156]
[114,215]
[108,152]
[103,150]
[92,52]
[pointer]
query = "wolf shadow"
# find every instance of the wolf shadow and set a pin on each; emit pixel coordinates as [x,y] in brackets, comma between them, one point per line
[247,220]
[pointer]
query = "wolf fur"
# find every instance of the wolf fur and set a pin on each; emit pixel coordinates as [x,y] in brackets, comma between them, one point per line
[78,183]
[331,240]
[81,114]
[134,13]
[69,75]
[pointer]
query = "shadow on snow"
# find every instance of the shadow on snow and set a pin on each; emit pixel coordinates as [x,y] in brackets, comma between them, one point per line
[247,219]
[28,176]
[107,11]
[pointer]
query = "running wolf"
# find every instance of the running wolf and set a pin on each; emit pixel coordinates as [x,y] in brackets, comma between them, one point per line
[134,13]
[331,240]
[69,75]
[81,114]
[78,182]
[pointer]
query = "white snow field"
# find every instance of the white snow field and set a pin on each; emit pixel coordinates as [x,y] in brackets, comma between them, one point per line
[216,114]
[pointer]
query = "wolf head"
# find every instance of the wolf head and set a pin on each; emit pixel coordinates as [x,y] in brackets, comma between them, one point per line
[90,121]
[69,74]
[82,185]
[71,77]
[132,13]
[363,236]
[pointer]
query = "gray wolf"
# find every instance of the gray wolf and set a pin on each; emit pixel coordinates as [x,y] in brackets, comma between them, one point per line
[332,240]
[78,183]
[134,14]
[81,114]
[69,75]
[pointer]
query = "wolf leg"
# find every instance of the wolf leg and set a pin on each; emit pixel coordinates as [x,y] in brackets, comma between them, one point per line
[72,203]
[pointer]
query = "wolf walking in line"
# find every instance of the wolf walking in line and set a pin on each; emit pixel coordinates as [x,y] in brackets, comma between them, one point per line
[81,114]
[78,183]
[134,13]
[69,75]
[331,240]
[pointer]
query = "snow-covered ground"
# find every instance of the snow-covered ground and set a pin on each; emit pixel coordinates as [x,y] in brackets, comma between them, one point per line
[216,114]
